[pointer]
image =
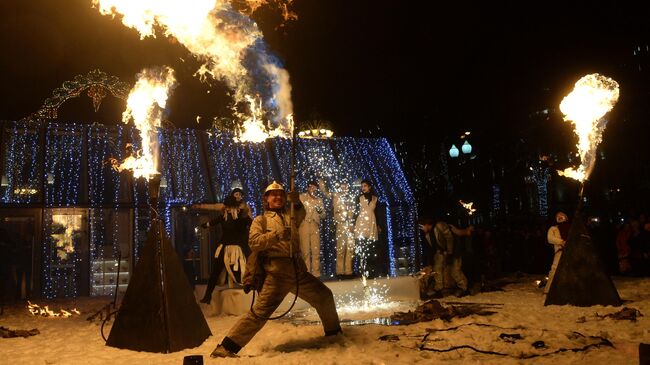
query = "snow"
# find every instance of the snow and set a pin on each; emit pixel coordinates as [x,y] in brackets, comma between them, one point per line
[298,340]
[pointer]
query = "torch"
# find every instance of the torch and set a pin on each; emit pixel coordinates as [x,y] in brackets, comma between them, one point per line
[159,312]
[580,278]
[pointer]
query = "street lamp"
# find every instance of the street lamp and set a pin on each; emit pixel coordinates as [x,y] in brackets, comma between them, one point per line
[467,148]
[453,151]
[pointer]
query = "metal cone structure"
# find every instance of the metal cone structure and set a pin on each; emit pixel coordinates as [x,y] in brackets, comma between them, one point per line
[159,312]
[580,278]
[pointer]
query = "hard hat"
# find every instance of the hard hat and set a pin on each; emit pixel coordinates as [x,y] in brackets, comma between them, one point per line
[274,186]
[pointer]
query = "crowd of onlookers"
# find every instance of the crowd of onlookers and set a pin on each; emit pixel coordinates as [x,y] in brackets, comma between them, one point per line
[492,251]
[623,246]
[633,246]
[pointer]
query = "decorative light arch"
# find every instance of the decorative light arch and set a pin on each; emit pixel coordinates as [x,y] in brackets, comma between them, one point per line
[97,83]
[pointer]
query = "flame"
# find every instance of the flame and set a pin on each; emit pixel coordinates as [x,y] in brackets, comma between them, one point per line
[65,241]
[254,130]
[592,97]
[287,14]
[145,105]
[45,311]
[468,206]
[229,44]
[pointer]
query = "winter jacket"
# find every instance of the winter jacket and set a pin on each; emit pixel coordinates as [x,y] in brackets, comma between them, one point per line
[266,231]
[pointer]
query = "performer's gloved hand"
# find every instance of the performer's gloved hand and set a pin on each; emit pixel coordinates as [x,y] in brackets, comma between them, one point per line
[293,197]
[284,234]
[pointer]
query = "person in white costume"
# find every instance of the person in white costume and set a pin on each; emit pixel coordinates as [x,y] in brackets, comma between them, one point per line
[309,229]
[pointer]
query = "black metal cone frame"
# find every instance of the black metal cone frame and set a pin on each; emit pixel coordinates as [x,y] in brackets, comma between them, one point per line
[159,312]
[580,278]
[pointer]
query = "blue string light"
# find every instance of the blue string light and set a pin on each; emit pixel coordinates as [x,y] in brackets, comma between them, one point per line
[182,164]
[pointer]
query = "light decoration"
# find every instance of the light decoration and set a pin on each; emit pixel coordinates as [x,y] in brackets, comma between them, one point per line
[232,48]
[104,193]
[248,163]
[61,262]
[468,207]
[45,311]
[64,241]
[495,206]
[592,97]
[316,129]
[21,165]
[316,134]
[541,177]
[182,164]
[25,191]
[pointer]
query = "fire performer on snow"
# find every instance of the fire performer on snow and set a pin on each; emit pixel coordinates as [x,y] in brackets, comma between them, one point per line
[271,240]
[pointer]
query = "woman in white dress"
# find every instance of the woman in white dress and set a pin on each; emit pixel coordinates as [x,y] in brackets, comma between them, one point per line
[366,232]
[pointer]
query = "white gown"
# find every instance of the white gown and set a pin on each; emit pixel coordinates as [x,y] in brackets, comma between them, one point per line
[366,225]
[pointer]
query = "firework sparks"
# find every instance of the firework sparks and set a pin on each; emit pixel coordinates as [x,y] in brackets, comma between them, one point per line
[593,96]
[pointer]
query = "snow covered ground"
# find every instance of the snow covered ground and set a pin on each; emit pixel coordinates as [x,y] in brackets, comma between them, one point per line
[519,311]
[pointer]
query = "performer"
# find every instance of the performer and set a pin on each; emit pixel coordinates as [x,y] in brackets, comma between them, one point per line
[447,255]
[310,228]
[271,240]
[232,251]
[366,231]
[238,194]
[344,208]
[557,236]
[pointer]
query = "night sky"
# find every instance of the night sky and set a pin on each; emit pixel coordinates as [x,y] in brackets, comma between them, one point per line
[361,65]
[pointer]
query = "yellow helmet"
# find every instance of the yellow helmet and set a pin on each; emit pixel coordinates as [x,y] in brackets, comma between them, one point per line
[274,186]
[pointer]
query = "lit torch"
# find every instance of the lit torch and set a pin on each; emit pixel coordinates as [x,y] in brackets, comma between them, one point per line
[593,96]
[145,106]
[468,207]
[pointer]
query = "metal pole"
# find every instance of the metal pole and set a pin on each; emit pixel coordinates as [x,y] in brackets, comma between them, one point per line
[292,187]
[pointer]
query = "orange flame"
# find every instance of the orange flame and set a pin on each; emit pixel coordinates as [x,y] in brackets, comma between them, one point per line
[468,206]
[220,37]
[593,96]
[37,310]
[145,105]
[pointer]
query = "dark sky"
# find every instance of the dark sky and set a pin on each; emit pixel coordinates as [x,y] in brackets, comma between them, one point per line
[357,63]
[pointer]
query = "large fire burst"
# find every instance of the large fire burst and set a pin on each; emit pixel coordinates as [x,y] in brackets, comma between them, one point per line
[593,96]
[232,50]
